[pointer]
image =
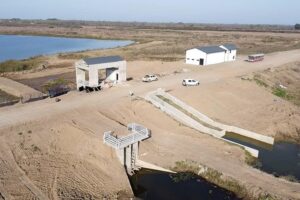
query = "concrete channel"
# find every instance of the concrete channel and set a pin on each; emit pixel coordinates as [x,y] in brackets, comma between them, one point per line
[191,117]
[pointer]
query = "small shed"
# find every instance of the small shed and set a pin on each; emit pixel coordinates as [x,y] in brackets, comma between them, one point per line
[209,55]
[87,71]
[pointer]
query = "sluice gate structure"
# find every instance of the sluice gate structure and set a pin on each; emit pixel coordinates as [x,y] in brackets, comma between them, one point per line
[127,147]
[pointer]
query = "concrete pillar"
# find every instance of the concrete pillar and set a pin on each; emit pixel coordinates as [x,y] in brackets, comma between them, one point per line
[135,150]
[93,77]
[128,154]
[80,77]
[122,71]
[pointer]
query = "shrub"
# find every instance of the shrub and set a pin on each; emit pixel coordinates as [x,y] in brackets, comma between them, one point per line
[252,161]
[54,83]
[20,65]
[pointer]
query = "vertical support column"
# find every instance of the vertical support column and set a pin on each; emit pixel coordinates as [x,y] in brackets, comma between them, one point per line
[135,149]
[128,154]
[80,77]
[93,77]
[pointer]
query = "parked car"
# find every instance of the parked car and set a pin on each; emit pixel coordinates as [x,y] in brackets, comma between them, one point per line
[150,78]
[190,82]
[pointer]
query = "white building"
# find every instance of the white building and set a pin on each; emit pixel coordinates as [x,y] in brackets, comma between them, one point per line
[211,54]
[87,71]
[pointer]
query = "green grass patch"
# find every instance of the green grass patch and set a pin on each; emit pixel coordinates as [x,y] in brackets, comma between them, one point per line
[72,56]
[280,92]
[260,82]
[187,113]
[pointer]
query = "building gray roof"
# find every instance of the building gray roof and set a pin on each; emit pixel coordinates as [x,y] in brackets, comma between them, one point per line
[102,60]
[211,49]
[230,46]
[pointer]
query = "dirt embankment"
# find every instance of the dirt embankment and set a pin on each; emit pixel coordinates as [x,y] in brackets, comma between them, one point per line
[60,159]
[283,82]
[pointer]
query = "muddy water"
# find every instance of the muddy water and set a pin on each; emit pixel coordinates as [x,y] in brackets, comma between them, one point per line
[281,159]
[155,185]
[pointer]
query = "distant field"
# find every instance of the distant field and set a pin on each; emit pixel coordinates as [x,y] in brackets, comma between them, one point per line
[166,42]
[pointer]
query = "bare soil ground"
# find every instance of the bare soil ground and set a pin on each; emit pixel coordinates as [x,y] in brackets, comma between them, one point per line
[56,149]
[286,76]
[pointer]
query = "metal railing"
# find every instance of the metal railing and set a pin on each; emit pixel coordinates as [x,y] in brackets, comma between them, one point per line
[138,134]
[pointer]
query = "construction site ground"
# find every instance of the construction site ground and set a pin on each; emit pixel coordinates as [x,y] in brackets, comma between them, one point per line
[55,150]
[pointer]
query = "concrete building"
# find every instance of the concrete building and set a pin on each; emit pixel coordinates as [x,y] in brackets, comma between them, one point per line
[211,54]
[87,71]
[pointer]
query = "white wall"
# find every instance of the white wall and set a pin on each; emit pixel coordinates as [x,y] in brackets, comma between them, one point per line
[123,71]
[232,55]
[80,77]
[193,57]
[93,77]
[215,58]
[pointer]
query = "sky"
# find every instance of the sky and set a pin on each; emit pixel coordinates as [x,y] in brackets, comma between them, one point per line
[187,11]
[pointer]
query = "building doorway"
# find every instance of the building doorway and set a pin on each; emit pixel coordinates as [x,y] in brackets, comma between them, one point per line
[201,61]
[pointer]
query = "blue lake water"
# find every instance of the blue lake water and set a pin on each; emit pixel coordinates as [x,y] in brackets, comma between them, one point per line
[17,47]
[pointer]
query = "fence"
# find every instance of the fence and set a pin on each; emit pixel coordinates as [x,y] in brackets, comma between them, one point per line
[139,133]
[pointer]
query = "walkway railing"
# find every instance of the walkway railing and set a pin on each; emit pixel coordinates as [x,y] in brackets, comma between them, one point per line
[138,134]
